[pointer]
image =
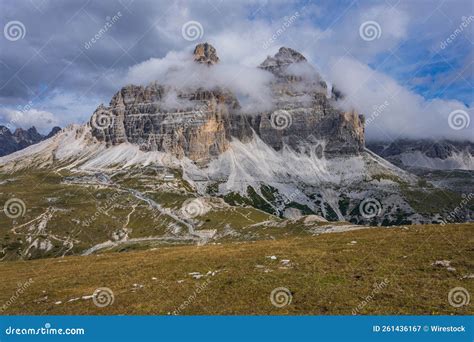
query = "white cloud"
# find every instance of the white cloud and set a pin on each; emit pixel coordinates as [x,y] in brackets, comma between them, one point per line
[392,110]
[178,70]
[239,29]
[394,22]
[406,115]
[26,118]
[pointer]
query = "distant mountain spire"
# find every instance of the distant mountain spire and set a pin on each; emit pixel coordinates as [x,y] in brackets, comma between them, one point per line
[205,53]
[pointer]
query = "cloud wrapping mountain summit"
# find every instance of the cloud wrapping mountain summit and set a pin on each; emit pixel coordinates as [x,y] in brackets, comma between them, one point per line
[194,110]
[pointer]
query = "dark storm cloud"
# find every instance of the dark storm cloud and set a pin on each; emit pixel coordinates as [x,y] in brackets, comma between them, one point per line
[76,54]
[53,51]
[72,50]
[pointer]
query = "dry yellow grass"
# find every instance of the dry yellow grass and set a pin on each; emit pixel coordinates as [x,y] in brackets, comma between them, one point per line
[327,274]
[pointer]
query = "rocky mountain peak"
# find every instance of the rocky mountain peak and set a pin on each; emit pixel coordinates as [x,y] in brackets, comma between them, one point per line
[202,123]
[55,130]
[284,57]
[205,53]
[289,55]
[21,138]
[29,135]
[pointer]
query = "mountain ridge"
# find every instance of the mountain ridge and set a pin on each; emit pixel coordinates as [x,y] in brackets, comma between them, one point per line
[20,138]
[205,120]
[203,170]
[425,153]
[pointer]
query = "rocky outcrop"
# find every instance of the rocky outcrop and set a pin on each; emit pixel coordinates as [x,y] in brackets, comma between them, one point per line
[198,130]
[205,53]
[55,130]
[304,113]
[427,154]
[278,64]
[20,138]
[441,149]
[200,123]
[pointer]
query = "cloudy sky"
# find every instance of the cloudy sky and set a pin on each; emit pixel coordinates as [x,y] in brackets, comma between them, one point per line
[406,65]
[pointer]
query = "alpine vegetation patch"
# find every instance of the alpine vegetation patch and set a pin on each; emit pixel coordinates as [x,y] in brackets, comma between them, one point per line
[110,21]
[377,288]
[192,298]
[19,291]
[109,204]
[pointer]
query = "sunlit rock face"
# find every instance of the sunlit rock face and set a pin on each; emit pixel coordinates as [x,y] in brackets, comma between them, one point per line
[206,54]
[200,123]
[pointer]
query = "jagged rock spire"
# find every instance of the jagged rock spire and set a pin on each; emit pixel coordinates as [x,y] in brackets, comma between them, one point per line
[284,56]
[205,53]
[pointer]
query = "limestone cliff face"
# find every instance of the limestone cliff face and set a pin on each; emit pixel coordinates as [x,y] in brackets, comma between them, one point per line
[206,54]
[304,107]
[136,115]
[202,122]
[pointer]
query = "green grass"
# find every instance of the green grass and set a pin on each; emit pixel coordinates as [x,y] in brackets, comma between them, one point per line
[87,214]
[432,201]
